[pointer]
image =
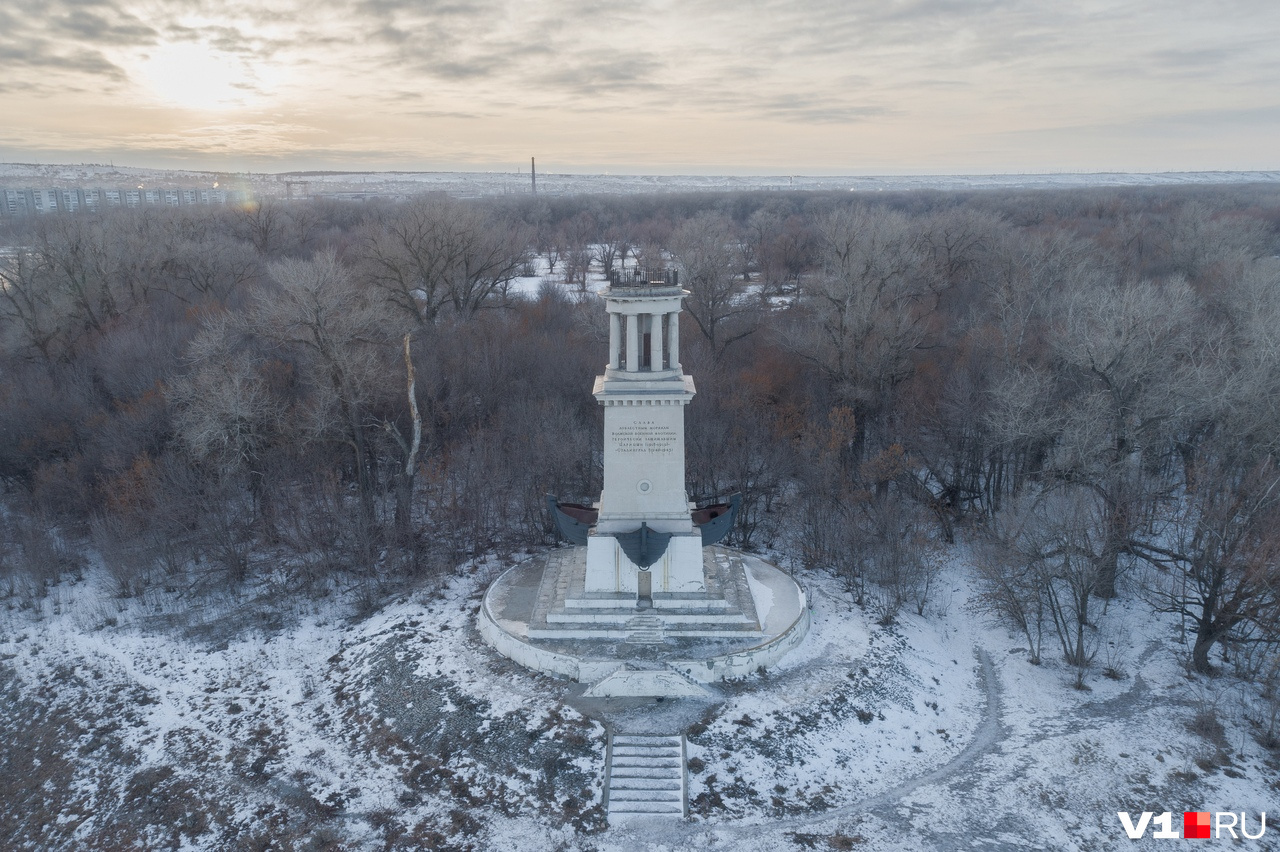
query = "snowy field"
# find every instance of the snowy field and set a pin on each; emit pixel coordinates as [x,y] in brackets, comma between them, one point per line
[517,182]
[258,721]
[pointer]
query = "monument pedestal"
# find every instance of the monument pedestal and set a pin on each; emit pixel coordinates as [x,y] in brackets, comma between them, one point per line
[536,615]
[678,571]
[721,605]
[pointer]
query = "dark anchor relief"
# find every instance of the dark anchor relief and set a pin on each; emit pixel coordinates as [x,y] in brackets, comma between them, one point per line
[644,547]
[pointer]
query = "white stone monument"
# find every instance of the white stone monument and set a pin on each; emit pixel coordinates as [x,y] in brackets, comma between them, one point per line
[644,392]
[646,544]
[646,603]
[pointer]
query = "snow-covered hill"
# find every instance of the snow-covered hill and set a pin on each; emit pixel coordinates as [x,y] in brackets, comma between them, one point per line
[257,718]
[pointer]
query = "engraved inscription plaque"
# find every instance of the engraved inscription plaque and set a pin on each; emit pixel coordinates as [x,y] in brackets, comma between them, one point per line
[644,436]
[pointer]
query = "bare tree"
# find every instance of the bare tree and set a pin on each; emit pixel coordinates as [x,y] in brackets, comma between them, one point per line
[210,266]
[34,310]
[1022,274]
[896,554]
[706,248]
[263,224]
[553,253]
[761,237]
[872,298]
[577,267]
[1047,563]
[76,253]
[316,310]
[1211,246]
[1127,375]
[409,448]
[574,237]
[1012,592]
[1249,394]
[957,242]
[1128,354]
[1218,557]
[81,275]
[612,249]
[1213,542]
[868,311]
[224,408]
[435,253]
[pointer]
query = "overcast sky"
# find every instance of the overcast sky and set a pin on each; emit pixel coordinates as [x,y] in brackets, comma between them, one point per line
[711,86]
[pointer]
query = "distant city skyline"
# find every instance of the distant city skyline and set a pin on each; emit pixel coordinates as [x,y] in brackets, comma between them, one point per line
[700,87]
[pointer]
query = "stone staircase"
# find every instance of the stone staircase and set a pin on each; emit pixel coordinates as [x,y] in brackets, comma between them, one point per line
[645,630]
[563,610]
[640,680]
[646,776]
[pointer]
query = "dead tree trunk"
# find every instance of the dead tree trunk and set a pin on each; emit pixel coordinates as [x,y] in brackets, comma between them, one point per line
[405,476]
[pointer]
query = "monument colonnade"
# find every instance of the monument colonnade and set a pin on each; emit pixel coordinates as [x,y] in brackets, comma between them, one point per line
[661,327]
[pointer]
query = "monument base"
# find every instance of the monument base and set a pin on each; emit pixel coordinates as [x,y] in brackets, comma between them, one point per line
[749,617]
[678,571]
[716,602]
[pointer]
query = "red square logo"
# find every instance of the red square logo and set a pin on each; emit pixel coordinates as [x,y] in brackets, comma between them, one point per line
[1195,825]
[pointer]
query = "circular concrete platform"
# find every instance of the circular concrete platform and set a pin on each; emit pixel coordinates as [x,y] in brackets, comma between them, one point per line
[629,653]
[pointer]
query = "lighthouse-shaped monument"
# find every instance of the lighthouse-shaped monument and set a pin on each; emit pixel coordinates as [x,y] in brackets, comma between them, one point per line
[645,577]
[644,541]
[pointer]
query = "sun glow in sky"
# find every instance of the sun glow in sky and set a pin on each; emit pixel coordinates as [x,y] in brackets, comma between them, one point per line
[193,77]
[712,86]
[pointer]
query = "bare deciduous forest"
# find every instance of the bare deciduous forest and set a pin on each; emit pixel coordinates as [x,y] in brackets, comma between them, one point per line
[1082,385]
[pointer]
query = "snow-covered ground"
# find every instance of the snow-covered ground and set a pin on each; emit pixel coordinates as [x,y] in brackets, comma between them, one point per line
[154,722]
[517,182]
[162,722]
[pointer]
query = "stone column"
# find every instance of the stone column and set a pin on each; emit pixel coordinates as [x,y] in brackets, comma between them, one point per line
[615,339]
[674,334]
[655,343]
[633,342]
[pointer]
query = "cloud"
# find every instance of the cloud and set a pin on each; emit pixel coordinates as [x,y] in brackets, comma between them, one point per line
[244,139]
[432,9]
[101,29]
[1214,120]
[603,73]
[802,112]
[48,56]
[66,38]
[468,75]
[1157,124]
[432,113]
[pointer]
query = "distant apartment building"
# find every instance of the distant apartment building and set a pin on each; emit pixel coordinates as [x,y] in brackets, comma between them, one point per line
[44,200]
[16,203]
[30,202]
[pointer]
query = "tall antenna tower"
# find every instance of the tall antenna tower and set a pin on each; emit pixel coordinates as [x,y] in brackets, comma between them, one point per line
[533,175]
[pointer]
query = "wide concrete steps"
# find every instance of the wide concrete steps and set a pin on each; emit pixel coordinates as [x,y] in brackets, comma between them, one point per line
[636,681]
[621,615]
[650,627]
[697,631]
[646,776]
[645,637]
[645,630]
